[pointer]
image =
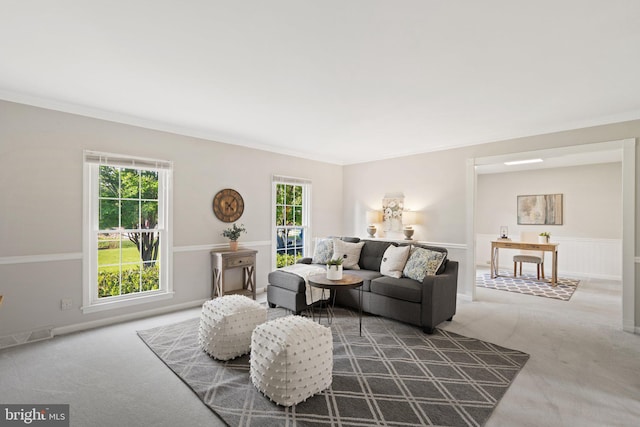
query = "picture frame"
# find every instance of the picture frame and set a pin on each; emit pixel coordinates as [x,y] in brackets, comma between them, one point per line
[540,209]
[392,207]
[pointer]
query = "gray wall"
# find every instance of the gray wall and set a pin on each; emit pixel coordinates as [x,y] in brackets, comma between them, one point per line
[590,237]
[592,200]
[41,202]
[41,158]
[436,183]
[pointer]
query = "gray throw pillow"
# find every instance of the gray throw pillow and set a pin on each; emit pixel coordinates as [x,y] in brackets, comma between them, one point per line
[323,251]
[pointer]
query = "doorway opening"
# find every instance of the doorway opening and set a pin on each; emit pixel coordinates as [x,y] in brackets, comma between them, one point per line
[623,151]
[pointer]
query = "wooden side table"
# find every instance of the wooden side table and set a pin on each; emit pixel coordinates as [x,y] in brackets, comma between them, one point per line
[348,281]
[223,260]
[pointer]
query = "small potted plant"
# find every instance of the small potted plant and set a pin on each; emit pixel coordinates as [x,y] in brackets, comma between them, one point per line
[334,269]
[544,237]
[233,234]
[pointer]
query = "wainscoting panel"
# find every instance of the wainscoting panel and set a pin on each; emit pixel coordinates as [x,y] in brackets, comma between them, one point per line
[577,257]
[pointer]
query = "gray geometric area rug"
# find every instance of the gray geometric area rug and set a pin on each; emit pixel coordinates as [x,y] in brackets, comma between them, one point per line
[528,284]
[394,375]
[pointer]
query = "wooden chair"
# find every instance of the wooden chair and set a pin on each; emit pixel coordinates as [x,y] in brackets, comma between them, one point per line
[534,257]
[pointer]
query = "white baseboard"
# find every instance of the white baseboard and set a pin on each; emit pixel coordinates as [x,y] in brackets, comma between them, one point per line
[580,275]
[20,338]
[61,330]
[464,297]
[631,329]
[38,335]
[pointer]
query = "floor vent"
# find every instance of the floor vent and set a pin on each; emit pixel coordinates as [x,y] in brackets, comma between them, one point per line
[25,337]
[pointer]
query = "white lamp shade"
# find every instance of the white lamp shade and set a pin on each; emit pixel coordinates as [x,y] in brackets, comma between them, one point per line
[409,217]
[373,217]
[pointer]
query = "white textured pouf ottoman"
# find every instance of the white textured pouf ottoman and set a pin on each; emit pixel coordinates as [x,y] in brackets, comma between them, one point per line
[226,324]
[291,359]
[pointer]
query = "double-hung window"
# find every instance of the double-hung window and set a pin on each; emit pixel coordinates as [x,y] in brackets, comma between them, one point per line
[291,201]
[127,230]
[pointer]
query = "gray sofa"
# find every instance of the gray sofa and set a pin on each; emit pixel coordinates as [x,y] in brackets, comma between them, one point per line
[425,304]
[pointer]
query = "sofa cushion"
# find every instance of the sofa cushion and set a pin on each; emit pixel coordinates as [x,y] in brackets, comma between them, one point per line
[423,262]
[286,280]
[323,251]
[403,289]
[371,254]
[393,261]
[349,252]
[367,276]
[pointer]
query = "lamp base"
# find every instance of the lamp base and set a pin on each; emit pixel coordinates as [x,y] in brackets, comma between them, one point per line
[372,231]
[408,233]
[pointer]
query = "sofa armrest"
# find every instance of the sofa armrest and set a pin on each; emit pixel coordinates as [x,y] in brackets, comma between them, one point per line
[305,260]
[439,294]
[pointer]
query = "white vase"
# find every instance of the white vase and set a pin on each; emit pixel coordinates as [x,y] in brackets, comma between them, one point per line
[543,239]
[334,272]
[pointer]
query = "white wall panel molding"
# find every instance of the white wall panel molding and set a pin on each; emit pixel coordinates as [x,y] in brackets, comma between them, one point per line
[456,246]
[197,248]
[25,259]
[71,256]
[580,257]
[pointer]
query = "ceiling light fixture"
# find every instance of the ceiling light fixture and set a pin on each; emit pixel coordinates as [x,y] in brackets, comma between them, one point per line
[523,162]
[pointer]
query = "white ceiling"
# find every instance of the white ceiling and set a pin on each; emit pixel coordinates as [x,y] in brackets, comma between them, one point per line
[344,81]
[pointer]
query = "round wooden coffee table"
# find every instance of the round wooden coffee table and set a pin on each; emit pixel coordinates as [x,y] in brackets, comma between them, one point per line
[348,281]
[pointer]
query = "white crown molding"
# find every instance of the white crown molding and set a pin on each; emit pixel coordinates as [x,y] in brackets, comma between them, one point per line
[212,135]
[127,119]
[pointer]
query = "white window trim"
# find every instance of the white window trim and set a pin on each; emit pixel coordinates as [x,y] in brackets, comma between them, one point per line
[92,160]
[306,212]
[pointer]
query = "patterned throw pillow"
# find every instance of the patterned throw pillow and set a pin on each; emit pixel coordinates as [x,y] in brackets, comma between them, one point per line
[422,262]
[394,260]
[349,252]
[324,250]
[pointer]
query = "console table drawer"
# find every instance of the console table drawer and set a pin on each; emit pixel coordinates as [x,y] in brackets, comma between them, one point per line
[238,261]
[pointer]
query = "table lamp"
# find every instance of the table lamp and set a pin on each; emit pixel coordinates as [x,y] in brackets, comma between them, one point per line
[408,219]
[373,217]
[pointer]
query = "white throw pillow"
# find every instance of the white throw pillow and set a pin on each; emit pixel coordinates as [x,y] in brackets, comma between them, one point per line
[349,252]
[393,261]
[324,250]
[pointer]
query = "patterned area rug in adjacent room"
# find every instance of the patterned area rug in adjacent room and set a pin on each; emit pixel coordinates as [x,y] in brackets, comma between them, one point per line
[528,284]
[394,375]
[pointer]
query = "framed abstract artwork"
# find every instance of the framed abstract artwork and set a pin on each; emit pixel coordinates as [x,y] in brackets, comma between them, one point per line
[541,209]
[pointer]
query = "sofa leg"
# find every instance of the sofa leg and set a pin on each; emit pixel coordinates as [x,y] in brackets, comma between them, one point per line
[428,330]
[450,319]
[271,305]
